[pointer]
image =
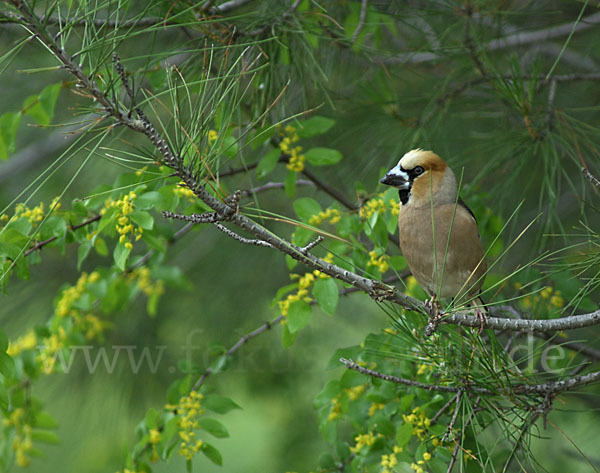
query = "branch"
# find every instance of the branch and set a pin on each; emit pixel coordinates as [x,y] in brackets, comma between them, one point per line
[409,382]
[590,177]
[273,185]
[241,239]
[545,389]
[41,244]
[243,340]
[515,39]
[539,36]
[361,20]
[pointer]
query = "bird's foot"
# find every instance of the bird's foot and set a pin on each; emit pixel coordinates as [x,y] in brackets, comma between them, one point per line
[481,316]
[381,292]
[435,315]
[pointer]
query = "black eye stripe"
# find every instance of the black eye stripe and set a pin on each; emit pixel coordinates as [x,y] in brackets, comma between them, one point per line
[414,172]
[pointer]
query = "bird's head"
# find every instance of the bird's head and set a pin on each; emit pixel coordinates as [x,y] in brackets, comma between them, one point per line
[421,175]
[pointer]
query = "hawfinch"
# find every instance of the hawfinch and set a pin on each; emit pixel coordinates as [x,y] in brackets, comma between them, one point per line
[445,266]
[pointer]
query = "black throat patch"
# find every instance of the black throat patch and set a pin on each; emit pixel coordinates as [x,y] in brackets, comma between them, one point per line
[404,193]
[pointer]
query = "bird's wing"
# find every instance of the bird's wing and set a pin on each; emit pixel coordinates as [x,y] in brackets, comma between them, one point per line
[466,207]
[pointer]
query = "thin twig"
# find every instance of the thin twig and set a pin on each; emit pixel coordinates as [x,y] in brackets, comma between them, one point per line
[361,20]
[590,177]
[409,382]
[545,389]
[41,244]
[273,185]
[442,409]
[457,447]
[468,40]
[505,42]
[241,239]
[446,436]
[243,340]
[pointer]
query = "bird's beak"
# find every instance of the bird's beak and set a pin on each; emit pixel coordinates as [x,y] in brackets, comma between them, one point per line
[396,177]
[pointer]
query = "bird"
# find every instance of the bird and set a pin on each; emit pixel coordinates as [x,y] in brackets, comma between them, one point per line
[437,231]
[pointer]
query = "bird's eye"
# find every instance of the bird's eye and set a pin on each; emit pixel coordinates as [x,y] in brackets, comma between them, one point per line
[418,170]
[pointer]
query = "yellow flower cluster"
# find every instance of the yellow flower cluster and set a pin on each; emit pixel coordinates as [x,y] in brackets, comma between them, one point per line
[304,283]
[377,204]
[418,467]
[46,359]
[64,306]
[89,324]
[336,409]
[125,228]
[411,285]
[419,421]
[548,296]
[363,440]
[189,408]
[388,462]
[423,368]
[329,215]
[376,406]
[144,282]
[212,136]
[34,215]
[355,392]
[379,262]
[24,342]
[22,443]
[184,192]
[289,136]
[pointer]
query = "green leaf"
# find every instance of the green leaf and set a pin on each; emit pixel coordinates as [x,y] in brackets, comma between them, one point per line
[7,366]
[41,107]
[213,427]
[219,404]
[404,434]
[120,255]
[298,316]
[82,253]
[289,185]
[3,397]
[44,420]
[290,262]
[212,454]
[100,246]
[323,156]
[326,294]
[149,200]
[107,219]
[9,124]
[152,417]
[143,219]
[267,163]
[305,208]
[3,341]
[287,338]
[45,436]
[314,126]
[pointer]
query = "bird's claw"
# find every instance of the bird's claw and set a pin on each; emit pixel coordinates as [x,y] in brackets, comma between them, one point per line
[481,317]
[433,306]
[381,292]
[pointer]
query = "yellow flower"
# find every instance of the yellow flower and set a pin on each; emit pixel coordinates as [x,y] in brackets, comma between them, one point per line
[212,136]
[154,436]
